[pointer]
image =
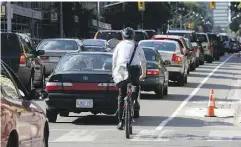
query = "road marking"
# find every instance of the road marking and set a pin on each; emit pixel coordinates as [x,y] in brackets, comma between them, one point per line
[163,124]
[224,136]
[150,135]
[77,136]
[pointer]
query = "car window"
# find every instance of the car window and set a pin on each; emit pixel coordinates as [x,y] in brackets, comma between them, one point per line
[93,42]
[84,62]
[25,46]
[160,45]
[139,36]
[190,36]
[107,35]
[188,43]
[202,37]
[8,85]
[10,44]
[58,45]
[150,54]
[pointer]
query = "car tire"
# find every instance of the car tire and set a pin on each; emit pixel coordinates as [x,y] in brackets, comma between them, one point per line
[202,62]
[159,92]
[51,115]
[193,67]
[186,79]
[30,83]
[181,80]
[210,60]
[12,140]
[136,114]
[42,85]
[188,71]
[217,57]
[197,62]
[165,92]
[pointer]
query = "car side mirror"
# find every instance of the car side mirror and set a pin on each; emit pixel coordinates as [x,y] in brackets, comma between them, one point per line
[40,52]
[34,94]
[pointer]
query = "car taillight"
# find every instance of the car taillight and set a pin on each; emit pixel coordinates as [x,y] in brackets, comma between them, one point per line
[54,86]
[152,72]
[209,47]
[44,57]
[22,59]
[195,49]
[176,58]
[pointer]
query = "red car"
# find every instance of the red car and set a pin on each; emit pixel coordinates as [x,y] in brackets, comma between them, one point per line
[23,122]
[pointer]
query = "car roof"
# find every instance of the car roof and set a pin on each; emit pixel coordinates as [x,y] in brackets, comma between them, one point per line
[182,31]
[61,39]
[94,39]
[109,31]
[168,36]
[158,41]
[93,53]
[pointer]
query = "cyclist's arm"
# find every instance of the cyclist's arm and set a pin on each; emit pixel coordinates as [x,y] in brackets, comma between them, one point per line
[114,58]
[143,61]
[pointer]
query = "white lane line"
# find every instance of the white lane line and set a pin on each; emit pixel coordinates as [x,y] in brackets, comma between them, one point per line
[77,136]
[163,124]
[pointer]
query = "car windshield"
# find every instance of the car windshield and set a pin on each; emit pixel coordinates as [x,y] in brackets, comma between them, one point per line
[109,35]
[93,42]
[160,45]
[225,38]
[188,43]
[202,37]
[149,54]
[58,45]
[85,62]
[139,36]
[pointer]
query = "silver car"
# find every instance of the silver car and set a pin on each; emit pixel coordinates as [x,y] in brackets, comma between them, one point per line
[173,56]
[55,49]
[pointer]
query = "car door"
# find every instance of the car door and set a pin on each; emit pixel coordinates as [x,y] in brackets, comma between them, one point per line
[19,112]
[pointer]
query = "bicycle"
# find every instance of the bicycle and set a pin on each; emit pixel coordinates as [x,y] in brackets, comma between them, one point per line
[128,111]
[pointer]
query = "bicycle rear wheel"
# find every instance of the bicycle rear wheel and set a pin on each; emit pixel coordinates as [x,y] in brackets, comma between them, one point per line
[128,128]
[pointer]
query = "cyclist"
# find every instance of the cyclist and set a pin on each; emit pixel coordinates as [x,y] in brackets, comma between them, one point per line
[121,75]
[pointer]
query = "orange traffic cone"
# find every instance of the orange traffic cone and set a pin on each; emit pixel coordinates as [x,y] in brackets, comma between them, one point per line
[210,112]
[211,96]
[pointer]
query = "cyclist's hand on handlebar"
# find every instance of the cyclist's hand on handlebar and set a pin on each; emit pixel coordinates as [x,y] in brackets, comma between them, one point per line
[142,78]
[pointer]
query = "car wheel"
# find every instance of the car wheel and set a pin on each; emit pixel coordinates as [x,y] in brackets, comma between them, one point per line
[136,114]
[30,84]
[165,92]
[12,141]
[186,79]
[193,67]
[197,63]
[188,71]
[159,92]
[181,80]
[210,60]
[202,61]
[217,57]
[43,81]
[51,115]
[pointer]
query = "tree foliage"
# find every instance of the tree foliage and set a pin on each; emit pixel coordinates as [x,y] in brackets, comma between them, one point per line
[155,14]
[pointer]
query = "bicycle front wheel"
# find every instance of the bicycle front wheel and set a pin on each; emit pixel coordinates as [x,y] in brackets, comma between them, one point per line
[128,128]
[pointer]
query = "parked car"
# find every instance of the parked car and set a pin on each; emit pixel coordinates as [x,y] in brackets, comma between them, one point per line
[82,82]
[112,36]
[192,55]
[192,36]
[99,45]
[157,75]
[21,57]
[207,46]
[140,35]
[23,122]
[54,50]
[150,33]
[171,51]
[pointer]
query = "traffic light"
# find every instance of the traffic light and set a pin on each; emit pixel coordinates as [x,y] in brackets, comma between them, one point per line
[141,6]
[212,5]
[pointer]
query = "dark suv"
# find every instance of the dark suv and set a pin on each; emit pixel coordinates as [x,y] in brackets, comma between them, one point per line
[19,56]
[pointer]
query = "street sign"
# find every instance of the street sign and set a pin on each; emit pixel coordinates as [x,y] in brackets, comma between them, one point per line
[141,6]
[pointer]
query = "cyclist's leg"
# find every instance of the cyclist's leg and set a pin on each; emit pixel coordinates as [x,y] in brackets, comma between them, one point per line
[135,82]
[121,97]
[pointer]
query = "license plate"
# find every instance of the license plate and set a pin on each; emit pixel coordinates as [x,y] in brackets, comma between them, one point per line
[84,103]
[54,59]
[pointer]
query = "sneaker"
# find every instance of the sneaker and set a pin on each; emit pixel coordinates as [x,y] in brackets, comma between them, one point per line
[120,125]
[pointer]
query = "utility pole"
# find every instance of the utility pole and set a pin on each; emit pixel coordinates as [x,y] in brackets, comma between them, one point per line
[9,19]
[61,21]
[98,15]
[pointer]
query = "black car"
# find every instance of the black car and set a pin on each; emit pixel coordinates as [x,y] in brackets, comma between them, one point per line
[150,33]
[82,82]
[157,74]
[140,35]
[213,38]
[21,57]
[96,45]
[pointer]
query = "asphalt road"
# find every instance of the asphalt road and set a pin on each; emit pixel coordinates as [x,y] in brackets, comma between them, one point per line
[175,121]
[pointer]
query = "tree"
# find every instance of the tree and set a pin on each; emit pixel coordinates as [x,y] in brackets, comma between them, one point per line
[155,14]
